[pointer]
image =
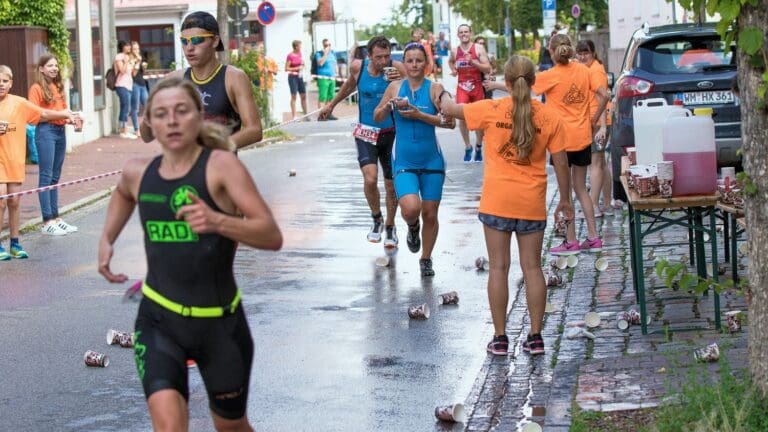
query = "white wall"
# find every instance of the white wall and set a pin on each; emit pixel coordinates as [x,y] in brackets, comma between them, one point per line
[287,26]
[626,16]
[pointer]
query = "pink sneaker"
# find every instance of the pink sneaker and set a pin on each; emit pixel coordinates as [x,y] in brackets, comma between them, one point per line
[566,249]
[592,245]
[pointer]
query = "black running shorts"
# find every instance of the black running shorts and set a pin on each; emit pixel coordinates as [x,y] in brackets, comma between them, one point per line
[381,152]
[221,347]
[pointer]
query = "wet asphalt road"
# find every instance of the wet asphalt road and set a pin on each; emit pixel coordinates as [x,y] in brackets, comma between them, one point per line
[335,349]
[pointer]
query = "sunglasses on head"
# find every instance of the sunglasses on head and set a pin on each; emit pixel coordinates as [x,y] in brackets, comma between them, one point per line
[195,40]
[414,45]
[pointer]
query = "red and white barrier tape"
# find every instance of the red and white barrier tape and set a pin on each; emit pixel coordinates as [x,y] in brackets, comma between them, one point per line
[59,185]
[337,78]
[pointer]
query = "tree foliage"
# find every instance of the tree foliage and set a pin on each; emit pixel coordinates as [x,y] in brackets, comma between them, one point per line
[43,13]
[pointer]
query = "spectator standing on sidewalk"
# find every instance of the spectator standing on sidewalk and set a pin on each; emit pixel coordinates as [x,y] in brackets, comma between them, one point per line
[417,160]
[374,139]
[469,62]
[190,236]
[225,90]
[519,132]
[326,77]
[140,86]
[442,49]
[123,66]
[48,93]
[569,87]
[15,113]
[294,65]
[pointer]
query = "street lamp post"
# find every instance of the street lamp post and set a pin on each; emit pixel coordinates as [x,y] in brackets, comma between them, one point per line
[508,31]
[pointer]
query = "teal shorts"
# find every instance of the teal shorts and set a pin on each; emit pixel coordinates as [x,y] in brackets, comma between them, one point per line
[326,89]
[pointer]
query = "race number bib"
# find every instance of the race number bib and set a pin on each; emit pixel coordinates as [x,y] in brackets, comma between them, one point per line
[366,133]
[467,86]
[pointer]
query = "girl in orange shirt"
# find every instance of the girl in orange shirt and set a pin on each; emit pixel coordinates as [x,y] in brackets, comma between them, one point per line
[48,92]
[518,134]
[599,173]
[569,88]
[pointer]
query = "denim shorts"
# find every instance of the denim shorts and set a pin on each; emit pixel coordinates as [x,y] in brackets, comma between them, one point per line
[520,226]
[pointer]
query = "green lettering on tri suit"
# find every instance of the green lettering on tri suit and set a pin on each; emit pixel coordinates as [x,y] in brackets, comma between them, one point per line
[152,198]
[170,232]
[139,350]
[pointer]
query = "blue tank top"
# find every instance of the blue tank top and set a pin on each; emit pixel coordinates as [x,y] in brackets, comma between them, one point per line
[371,90]
[415,141]
[216,104]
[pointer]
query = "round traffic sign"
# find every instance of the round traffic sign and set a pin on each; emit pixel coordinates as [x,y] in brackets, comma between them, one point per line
[575,11]
[265,13]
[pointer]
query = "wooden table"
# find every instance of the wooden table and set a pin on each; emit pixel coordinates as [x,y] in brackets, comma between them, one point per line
[731,231]
[654,209]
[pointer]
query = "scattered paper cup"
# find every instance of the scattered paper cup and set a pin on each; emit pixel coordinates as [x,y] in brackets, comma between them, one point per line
[114,336]
[733,319]
[552,279]
[601,264]
[95,359]
[126,340]
[481,263]
[743,249]
[419,312]
[572,261]
[549,308]
[449,298]
[710,353]
[382,261]
[451,413]
[578,332]
[560,263]
[531,427]
[592,319]
[292,172]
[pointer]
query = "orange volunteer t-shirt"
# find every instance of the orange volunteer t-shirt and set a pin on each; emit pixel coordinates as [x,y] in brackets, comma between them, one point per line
[514,188]
[599,78]
[17,111]
[569,88]
[59,104]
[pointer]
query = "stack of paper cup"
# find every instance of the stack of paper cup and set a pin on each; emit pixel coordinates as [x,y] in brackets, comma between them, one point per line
[665,172]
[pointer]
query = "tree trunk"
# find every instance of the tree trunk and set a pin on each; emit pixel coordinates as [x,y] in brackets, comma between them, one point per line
[754,130]
[221,17]
[524,39]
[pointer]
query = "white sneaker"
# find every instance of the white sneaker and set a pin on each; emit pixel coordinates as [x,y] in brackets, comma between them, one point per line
[65,226]
[128,135]
[51,228]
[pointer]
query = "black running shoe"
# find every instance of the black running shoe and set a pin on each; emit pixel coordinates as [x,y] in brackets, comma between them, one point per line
[498,346]
[426,267]
[534,344]
[413,239]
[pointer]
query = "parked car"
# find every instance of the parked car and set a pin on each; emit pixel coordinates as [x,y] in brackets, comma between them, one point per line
[684,62]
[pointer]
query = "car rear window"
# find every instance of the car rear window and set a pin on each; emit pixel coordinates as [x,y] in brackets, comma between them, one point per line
[684,55]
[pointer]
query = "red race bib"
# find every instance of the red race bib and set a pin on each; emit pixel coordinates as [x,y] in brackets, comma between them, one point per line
[366,133]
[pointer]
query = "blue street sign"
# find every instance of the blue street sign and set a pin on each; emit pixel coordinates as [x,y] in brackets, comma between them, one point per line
[548,9]
[265,13]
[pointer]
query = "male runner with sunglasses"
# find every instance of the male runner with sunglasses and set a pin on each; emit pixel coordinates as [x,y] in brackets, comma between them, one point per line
[225,90]
[370,77]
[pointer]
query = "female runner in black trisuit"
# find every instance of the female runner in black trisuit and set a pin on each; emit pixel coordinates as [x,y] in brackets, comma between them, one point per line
[191,307]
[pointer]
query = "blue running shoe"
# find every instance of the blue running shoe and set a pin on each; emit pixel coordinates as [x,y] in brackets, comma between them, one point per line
[478,153]
[4,256]
[18,252]
[468,155]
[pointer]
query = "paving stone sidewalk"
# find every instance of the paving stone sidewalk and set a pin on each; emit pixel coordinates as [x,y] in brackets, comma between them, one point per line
[619,370]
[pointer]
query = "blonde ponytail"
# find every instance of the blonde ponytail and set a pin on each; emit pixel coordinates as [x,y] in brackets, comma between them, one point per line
[520,75]
[562,49]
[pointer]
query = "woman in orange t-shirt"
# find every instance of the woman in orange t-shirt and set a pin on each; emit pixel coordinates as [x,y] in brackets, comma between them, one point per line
[15,113]
[599,172]
[50,138]
[569,87]
[518,134]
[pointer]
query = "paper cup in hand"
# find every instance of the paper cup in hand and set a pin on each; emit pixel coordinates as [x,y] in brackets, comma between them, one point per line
[389,70]
[451,413]
[78,122]
[419,312]
[95,359]
[449,298]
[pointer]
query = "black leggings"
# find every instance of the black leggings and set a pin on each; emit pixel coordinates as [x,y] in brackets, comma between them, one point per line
[221,347]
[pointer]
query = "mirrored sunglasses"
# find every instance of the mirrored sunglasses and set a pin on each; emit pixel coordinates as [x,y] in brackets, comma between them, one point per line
[195,40]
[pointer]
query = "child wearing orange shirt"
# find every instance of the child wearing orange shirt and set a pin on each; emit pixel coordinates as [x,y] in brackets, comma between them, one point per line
[569,87]
[518,134]
[51,142]
[15,113]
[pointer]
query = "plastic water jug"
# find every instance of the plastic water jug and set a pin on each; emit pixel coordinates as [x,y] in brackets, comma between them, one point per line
[689,141]
[649,117]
